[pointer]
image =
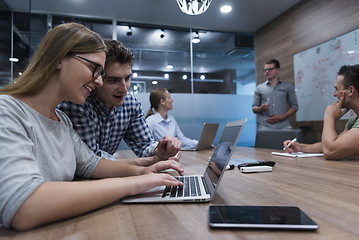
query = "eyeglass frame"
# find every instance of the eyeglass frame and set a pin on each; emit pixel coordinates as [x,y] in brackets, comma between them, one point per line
[269,69]
[97,67]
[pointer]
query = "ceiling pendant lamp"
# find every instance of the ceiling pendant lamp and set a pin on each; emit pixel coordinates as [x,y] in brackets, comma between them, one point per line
[194,7]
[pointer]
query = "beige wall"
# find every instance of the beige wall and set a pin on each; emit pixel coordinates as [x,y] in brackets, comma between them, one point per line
[307,24]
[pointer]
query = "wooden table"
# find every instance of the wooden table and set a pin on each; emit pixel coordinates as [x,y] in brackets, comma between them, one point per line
[328,191]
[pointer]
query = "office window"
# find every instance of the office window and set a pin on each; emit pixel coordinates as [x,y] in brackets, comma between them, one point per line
[102,27]
[28,30]
[165,57]
[161,54]
[5,47]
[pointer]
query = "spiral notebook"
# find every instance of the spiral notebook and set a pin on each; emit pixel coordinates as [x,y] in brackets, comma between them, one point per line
[298,154]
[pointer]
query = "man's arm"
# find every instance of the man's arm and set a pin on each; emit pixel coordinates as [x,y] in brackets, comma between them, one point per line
[289,113]
[338,146]
[147,161]
[279,118]
[333,146]
[302,147]
[257,107]
[138,136]
[261,108]
[168,147]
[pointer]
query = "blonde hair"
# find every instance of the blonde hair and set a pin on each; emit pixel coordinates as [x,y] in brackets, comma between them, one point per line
[62,41]
[155,99]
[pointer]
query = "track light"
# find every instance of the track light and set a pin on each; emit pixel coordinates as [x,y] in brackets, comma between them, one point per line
[196,39]
[162,33]
[12,59]
[129,31]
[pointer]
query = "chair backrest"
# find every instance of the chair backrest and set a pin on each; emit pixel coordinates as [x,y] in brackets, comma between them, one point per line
[274,138]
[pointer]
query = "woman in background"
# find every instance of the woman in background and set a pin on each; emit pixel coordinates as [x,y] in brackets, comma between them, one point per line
[41,153]
[160,122]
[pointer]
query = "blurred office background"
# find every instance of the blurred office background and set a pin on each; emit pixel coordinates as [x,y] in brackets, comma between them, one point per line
[210,81]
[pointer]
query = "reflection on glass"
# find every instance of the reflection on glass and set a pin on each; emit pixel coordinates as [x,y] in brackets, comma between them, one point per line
[217,65]
[219,160]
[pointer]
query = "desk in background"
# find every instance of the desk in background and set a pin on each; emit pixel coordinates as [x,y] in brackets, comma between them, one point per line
[328,191]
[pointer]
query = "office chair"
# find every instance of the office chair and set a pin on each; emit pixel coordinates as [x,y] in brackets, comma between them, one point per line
[274,138]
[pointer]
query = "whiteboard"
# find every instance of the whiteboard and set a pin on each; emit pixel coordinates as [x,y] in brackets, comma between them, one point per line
[315,72]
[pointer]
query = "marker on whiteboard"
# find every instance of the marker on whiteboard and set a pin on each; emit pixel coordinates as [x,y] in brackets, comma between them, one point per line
[267,102]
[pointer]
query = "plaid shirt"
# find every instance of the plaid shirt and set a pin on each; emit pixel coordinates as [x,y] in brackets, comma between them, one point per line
[102,130]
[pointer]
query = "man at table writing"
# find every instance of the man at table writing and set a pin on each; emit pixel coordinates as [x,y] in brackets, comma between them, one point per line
[336,146]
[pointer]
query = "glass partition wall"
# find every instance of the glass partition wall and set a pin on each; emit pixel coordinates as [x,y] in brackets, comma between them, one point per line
[220,64]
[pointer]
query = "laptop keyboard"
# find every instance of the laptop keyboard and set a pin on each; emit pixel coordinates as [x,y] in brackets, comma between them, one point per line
[190,188]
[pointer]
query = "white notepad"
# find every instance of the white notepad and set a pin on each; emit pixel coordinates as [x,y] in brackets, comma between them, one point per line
[298,154]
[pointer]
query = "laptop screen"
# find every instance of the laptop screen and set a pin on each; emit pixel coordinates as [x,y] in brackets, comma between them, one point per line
[223,152]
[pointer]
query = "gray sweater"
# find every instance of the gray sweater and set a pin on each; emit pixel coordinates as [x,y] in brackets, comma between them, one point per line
[34,150]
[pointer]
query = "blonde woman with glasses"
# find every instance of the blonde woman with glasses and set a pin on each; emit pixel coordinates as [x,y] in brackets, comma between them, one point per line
[41,153]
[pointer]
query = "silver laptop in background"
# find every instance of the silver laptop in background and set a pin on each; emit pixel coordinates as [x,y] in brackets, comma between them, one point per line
[205,141]
[205,186]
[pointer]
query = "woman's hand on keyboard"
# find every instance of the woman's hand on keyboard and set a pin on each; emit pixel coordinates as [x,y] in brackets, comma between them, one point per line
[142,183]
[154,159]
[164,165]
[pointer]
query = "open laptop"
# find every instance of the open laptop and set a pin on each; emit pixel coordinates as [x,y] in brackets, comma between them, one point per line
[206,139]
[204,187]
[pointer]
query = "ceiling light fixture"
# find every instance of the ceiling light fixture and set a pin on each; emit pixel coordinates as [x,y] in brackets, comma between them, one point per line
[226,9]
[12,59]
[162,33]
[195,38]
[129,31]
[193,7]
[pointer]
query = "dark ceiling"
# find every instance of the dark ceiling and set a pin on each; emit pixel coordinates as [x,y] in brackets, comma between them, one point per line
[148,17]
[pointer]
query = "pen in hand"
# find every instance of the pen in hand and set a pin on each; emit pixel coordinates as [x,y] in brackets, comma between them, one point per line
[291,142]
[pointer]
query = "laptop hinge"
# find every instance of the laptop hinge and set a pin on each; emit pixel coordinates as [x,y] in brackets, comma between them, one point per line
[205,185]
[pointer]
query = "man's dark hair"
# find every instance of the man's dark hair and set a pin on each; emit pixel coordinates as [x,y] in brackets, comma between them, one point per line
[275,62]
[351,75]
[117,52]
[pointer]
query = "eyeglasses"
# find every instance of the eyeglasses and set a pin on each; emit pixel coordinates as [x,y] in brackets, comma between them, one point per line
[97,69]
[268,69]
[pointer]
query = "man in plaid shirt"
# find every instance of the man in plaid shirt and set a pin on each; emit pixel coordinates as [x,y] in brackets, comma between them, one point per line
[111,114]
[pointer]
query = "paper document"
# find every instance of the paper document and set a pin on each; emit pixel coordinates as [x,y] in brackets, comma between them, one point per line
[298,154]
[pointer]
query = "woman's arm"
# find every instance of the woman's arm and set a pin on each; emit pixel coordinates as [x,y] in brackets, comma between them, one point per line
[107,168]
[54,201]
[147,161]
